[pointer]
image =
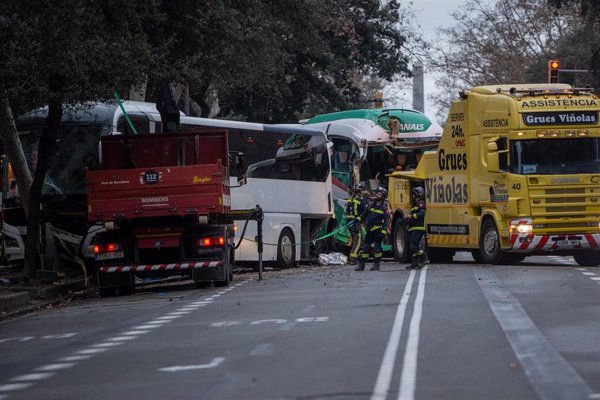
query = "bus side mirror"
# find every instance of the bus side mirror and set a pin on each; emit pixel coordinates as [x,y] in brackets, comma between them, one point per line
[239,168]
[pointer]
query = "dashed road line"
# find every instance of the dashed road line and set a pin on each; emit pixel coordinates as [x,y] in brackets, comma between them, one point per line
[21,382]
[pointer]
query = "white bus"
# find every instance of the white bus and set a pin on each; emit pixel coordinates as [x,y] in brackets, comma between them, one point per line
[288,174]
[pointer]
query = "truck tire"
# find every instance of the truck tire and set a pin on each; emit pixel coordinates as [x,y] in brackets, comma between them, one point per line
[286,249]
[476,256]
[587,258]
[227,280]
[400,241]
[489,243]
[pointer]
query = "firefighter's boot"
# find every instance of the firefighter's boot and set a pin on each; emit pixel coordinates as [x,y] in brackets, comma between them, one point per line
[414,263]
[422,259]
[361,264]
[375,266]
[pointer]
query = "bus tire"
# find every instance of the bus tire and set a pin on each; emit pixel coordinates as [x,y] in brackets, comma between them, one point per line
[489,243]
[286,249]
[400,241]
[587,258]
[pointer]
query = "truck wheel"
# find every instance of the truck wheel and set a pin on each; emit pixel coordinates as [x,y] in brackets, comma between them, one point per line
[489,243]
[587,258]
[476,256]
[400,241]
[227,279]
[286,249]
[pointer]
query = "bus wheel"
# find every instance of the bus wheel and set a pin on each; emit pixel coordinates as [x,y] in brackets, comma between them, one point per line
[489,243]
[400,241]
[286,249]
[587,258]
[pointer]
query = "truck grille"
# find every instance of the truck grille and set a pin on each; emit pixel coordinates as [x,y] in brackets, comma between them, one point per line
[574,208]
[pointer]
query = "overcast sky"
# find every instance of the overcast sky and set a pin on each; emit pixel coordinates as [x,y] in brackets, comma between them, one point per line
[430,14]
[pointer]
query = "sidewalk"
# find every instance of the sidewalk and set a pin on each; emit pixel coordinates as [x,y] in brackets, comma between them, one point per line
[21,298]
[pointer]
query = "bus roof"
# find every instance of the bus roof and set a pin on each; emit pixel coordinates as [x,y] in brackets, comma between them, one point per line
[413,124]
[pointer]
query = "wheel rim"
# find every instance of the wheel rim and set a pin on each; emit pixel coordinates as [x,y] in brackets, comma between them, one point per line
[286,249]
[400,242]
[490,241]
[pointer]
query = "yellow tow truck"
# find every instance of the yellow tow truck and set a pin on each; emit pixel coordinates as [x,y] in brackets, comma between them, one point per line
[516,173]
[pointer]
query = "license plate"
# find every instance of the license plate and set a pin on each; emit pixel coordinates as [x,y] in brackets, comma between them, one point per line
[568,242]
[109,256]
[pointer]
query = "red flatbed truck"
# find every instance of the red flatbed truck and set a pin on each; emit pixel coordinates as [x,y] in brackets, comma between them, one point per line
[164,201]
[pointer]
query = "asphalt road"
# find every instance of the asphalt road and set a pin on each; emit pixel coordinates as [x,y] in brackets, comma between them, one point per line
[453,331]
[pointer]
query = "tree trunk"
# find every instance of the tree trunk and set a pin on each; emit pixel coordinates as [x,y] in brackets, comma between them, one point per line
[45,148]
[14,151]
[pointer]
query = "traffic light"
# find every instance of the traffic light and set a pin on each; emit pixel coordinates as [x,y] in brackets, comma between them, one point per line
[553,70]
[378,99]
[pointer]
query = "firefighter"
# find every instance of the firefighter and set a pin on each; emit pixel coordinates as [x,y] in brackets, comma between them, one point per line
[415,221]
[355,206]
[376,220]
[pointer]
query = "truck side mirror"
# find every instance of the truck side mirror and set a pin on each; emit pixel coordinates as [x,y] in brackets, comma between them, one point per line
[493,159]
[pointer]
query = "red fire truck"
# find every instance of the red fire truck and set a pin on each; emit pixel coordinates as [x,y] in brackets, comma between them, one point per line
[164,202]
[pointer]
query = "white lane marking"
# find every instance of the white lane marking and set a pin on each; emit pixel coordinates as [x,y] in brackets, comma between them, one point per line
[55,367]
[214,363]
[121,338]
[76,358]
[309,308]
[263,349]
[136,332]
[9,387]
[225,323]
[312,319]
[588,273]
[18,339]
[384,376]
[108,344]
[167,318]
[408,379]
[32,377]
[97,350]
[148,326]
[288,326]
[267,321]
[550,375]
[59,335]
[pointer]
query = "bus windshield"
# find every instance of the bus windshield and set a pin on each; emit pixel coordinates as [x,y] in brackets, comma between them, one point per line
[76,148]
[555,156]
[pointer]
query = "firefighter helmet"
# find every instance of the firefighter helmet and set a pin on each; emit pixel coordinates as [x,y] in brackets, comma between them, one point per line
[418,192]
[359,187]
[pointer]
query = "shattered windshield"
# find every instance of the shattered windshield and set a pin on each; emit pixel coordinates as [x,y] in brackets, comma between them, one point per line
[555,156]
[76,148]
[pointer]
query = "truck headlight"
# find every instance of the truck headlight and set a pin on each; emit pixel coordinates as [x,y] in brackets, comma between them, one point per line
[522,226]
